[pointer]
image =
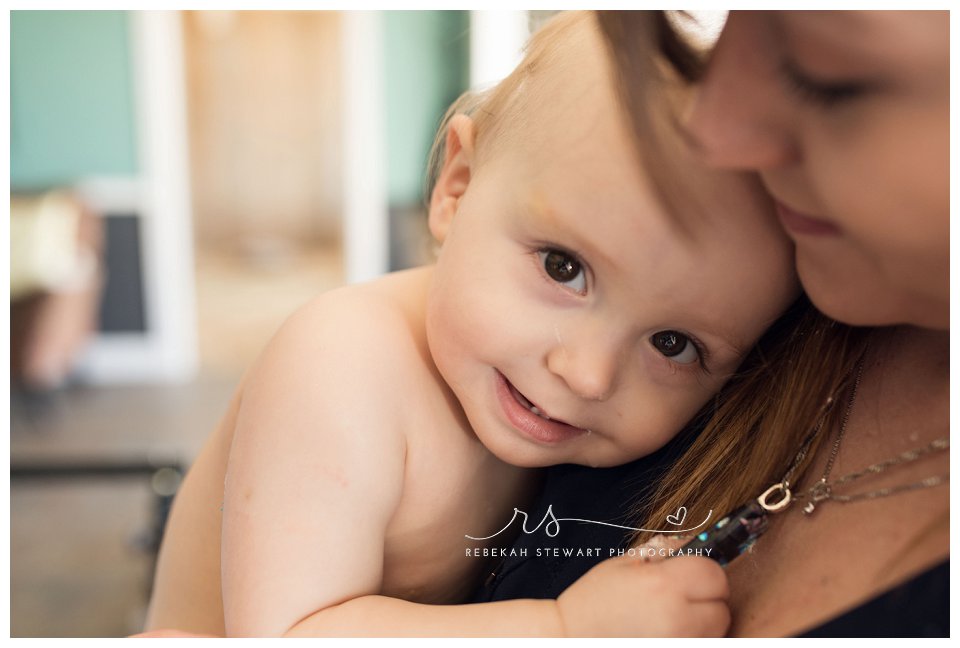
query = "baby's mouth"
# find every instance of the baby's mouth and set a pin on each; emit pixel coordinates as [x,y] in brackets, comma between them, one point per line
[526,403]
[530,419]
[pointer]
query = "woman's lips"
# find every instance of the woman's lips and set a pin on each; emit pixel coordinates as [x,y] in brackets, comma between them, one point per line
[801,224]
[534,426]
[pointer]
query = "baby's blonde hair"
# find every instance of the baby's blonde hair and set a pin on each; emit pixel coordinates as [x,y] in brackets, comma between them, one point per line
[508,102]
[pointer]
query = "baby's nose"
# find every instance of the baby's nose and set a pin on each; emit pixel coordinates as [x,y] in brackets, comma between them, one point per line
[588,367]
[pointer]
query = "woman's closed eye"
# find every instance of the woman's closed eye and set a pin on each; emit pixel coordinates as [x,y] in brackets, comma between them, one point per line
[821,93]
[677,347]
[564,268]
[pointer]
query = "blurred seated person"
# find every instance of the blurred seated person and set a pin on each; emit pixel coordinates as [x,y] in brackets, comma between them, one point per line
[56,281]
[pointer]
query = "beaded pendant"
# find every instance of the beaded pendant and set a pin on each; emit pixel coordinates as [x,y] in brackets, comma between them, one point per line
[732,536]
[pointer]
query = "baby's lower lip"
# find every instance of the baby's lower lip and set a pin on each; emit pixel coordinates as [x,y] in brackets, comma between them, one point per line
[526,422]
[799,223]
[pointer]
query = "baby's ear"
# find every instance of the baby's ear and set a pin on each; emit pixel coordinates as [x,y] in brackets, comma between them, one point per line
[454,176]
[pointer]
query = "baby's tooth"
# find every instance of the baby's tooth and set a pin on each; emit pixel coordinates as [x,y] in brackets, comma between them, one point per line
[536,410]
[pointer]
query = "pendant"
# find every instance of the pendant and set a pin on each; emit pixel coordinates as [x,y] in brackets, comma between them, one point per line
[731,536]
[817,493]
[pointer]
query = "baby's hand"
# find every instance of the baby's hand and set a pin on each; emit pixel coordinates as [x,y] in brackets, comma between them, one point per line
[627,597]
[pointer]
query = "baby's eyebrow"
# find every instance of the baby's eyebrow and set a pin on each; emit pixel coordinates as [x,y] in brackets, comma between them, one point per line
[557,220]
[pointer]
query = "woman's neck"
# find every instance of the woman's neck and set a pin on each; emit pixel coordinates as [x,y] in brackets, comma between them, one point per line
[911,377]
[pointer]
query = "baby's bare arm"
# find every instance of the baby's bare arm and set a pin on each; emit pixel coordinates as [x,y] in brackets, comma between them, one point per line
[620,597]
[186,589]
[381,616]
[316,467]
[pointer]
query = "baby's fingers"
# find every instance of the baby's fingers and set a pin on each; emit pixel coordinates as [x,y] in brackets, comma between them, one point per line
[700,579]
[708,619]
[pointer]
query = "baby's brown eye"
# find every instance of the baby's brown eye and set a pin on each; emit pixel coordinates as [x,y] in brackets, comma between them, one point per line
[676,346]
[564,268]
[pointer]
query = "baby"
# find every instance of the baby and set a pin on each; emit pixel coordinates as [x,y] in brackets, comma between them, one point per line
[569,318]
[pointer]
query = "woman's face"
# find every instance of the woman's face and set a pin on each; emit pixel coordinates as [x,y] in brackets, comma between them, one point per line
[845,115]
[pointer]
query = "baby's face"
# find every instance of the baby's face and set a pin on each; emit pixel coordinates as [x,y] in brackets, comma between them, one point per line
[572,317]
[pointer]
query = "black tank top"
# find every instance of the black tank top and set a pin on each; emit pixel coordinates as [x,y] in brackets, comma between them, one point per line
[541,566]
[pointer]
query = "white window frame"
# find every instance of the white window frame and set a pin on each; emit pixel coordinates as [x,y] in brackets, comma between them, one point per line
[160,197]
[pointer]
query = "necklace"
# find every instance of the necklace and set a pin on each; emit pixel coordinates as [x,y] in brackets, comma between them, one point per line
[736,533]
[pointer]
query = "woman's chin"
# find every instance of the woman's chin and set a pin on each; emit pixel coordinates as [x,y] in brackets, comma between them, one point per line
[850,286]
[874,304]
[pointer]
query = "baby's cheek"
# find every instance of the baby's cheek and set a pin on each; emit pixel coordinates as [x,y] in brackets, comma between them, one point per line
[675,412]
[458,327]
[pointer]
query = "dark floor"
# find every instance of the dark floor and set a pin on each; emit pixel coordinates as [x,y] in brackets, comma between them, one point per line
[80,560]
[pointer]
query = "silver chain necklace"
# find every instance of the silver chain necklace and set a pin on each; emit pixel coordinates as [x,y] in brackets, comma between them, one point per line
[823,490]
[736,533]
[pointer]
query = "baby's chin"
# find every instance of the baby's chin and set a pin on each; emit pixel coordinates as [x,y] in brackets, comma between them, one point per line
[532,456]
[525,455]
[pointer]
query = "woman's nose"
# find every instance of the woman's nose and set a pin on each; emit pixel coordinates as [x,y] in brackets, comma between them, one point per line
[589,366]
[739,116]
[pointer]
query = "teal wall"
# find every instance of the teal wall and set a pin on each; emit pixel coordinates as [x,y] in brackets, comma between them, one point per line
[426,68]
[71,94]
[71,97]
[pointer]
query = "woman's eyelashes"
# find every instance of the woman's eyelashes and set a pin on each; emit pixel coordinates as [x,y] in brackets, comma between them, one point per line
[821,93]
[679,348]
[564,268]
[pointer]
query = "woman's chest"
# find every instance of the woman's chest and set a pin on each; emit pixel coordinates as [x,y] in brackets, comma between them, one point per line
[809,569]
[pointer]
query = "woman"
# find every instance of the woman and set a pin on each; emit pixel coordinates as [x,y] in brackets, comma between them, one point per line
[848,129]
[845,117]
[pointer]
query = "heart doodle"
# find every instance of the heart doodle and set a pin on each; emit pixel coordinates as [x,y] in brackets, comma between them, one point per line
[677,518]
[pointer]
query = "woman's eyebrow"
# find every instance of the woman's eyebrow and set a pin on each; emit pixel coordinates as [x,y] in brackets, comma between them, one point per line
[835,36]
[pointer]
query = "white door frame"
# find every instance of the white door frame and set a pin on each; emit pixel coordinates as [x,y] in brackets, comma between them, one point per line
[160,196]
[497,39]
[366,224]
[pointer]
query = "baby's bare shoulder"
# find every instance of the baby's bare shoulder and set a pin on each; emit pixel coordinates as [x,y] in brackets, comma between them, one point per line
[368,336]
[368,320]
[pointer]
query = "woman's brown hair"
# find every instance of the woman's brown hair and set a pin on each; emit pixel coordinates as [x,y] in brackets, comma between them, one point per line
[754,428]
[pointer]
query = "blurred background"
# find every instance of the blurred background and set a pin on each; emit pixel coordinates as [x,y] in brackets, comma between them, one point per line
[180,183]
